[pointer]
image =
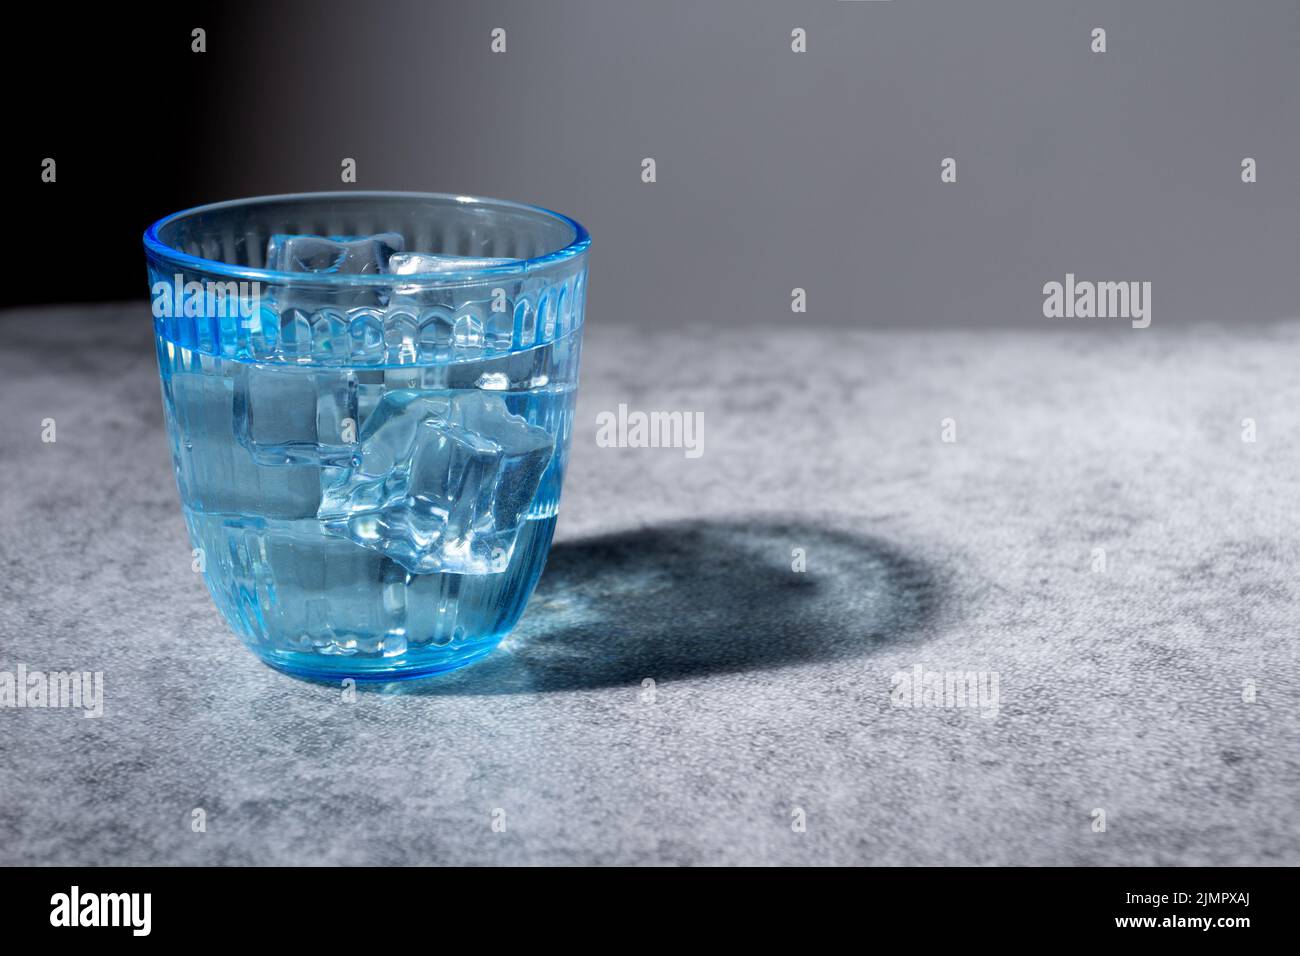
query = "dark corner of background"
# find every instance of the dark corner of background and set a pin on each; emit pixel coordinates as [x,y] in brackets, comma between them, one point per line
[117,98]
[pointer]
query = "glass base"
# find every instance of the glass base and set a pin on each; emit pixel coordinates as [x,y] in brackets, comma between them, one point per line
[319,667]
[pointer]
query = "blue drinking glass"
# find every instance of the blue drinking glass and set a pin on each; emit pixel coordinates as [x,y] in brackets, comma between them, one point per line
[369,398]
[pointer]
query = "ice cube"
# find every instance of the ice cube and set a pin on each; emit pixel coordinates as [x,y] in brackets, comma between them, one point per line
[434,333]
[330,255]
[442,481]
[418,263]
[287,415]
[274,413]
[422,263]
[218,475]
[342,255]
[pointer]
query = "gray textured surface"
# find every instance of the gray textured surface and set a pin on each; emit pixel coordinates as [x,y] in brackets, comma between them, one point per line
[1120,690]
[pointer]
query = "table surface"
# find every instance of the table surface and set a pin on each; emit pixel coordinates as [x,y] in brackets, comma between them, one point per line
[1127,689]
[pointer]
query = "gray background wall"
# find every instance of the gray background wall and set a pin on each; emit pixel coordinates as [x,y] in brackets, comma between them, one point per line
[818,170]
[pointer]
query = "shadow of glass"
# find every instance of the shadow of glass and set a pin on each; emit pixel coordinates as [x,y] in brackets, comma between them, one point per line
[699,598]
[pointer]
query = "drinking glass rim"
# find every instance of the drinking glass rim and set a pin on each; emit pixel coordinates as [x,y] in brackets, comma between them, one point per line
[577,246]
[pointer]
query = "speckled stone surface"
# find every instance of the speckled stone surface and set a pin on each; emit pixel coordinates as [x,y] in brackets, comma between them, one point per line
[1119,690]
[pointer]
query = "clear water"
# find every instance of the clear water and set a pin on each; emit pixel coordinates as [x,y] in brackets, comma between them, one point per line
[371,521]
